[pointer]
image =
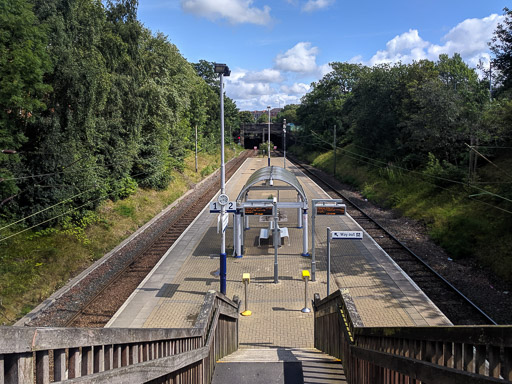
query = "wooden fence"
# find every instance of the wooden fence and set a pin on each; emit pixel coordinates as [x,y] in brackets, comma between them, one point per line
[122,355]
[457,354]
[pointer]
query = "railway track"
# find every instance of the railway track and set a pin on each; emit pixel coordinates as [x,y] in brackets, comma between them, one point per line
[98,309]
[455,305]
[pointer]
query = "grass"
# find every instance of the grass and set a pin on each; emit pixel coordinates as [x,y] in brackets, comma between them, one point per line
[34,264]
[465,227]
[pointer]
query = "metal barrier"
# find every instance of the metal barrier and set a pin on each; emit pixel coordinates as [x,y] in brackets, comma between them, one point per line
[457,354]
[122,355]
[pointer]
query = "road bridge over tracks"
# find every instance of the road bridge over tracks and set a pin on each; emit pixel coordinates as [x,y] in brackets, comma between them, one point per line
[252,135]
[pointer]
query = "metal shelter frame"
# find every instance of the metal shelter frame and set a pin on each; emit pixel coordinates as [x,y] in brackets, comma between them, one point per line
[268,175]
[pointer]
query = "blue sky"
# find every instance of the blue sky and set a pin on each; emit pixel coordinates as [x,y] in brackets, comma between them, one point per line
[275,49]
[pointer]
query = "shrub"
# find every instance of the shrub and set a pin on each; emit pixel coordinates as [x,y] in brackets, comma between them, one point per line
[442,173]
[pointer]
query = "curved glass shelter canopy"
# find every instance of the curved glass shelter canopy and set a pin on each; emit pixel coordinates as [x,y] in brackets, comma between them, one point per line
[264,179]
[271,174]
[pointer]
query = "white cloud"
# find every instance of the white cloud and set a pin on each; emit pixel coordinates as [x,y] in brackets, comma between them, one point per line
[239,89]
[250,94]
[301,58]
[265,76]
[284,84]
[469,38]
[296,89]
[315,5]
[406,47]
[234,11]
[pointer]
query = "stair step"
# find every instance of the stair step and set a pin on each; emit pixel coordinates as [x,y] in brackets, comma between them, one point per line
[277,366]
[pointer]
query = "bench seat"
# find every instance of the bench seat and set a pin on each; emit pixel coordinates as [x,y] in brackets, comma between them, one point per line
[265,234]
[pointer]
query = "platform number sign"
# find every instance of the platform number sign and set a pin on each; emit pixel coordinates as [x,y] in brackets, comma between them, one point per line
[215,206]
[231,206]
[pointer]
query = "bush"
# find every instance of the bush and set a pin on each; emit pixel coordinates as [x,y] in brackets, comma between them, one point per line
[442,173]
[207,170]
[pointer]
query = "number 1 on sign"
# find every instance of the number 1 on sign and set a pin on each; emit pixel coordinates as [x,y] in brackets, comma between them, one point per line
[214,207]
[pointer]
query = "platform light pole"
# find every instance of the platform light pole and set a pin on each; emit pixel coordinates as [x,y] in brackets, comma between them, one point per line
[284,143]
[268,138]
[222,70]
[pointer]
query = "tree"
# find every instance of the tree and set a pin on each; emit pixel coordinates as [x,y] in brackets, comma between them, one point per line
[501,46]
[23,91]
[245,117]
[206,70]
[322,108]
[263,118]
[289,112]
[373,110]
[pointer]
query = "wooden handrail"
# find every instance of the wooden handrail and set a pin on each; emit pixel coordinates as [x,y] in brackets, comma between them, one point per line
[78,355]
[455,354]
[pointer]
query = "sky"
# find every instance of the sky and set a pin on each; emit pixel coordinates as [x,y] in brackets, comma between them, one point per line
[277,48]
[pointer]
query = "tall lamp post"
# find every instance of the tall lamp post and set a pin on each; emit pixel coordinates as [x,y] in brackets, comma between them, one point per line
[284,143]
[222,70]
[268,138]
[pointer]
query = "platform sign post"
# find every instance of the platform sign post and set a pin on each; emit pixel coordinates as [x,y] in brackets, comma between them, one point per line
[328,261]
[276,239]
[329,207]
[341,235]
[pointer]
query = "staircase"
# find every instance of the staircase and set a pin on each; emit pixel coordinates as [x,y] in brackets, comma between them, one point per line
[278,366]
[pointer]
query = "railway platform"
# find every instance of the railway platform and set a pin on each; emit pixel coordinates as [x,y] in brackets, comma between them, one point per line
[171,295]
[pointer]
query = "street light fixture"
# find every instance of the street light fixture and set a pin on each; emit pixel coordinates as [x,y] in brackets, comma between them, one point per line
[222,70]
[268,138]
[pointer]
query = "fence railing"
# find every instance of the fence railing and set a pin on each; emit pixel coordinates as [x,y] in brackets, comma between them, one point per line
[122,355]
[457,354]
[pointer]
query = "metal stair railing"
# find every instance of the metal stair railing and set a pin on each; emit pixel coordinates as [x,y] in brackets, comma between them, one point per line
[456,354]
[122,355]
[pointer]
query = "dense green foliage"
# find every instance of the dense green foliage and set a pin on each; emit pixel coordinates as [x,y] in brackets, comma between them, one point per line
[501,46]
[95,105]
[432,117]
[434,122]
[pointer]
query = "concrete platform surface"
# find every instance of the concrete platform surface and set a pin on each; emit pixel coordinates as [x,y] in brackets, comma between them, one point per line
[173,292]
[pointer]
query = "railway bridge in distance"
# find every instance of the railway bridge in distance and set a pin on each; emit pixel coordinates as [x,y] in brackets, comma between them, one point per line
[376,327]
[252,135]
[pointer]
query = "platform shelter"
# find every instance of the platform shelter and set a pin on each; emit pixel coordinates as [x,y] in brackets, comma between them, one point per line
[270,196]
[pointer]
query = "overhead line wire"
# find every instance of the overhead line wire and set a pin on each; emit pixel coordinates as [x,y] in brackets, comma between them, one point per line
[423,175]
[489,161]
[59,172]
[62,214]
[50,207]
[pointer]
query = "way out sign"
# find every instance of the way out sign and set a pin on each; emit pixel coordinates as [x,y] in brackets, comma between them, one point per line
[335,235]
[350,235]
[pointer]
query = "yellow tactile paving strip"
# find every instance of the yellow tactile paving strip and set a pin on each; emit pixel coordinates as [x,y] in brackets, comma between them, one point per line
[382,294]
